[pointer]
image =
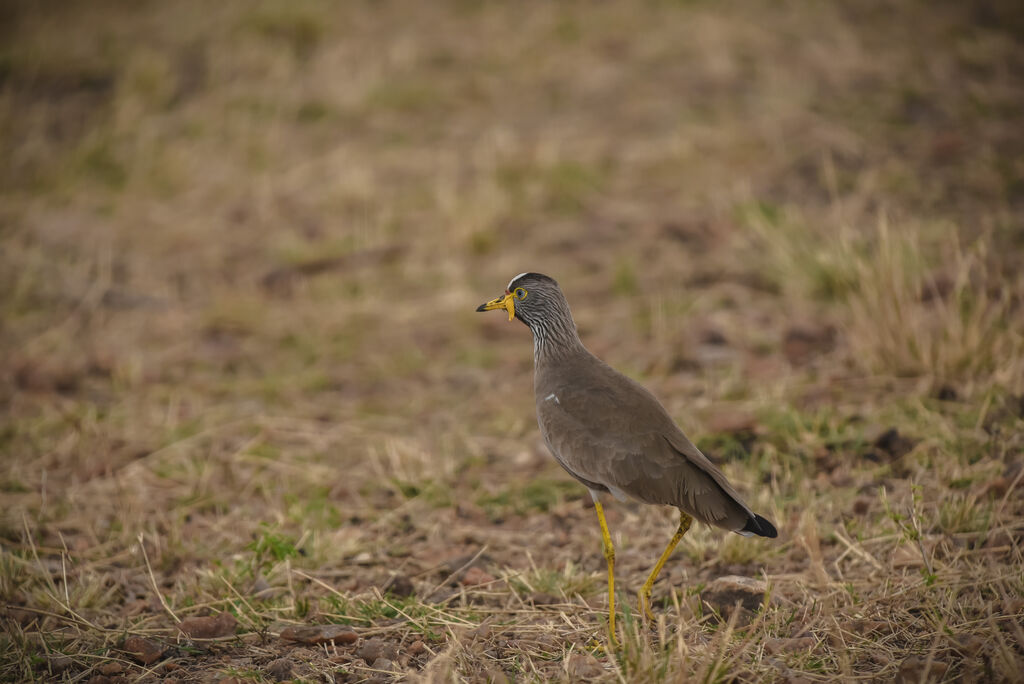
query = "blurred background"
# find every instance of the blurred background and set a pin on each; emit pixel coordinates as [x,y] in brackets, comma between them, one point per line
[242,245]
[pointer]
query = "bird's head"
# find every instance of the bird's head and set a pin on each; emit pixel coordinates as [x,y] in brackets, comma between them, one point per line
[530,297]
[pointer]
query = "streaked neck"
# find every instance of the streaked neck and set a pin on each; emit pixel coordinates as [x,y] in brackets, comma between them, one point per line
[555,337]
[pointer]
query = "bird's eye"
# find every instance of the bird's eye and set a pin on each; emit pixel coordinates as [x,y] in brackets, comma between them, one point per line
[520,293]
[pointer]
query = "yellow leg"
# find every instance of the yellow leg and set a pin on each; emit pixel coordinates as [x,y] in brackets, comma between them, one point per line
[645,591]
[609,555]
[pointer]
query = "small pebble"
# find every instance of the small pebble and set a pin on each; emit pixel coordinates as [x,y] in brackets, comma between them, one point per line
[146,651]
[585,667]
[915,669]
[375,648]
[280,669]
[110,669]
[383,664]
[320,634]
[475,576]
[209,627]
[59,664]
[724,593]
[401,586]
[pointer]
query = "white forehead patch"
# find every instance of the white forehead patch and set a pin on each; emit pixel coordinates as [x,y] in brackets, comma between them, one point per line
[514,280]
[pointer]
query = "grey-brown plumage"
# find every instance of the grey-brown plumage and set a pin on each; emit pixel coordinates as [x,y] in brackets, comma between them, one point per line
[611,434]
[608,431]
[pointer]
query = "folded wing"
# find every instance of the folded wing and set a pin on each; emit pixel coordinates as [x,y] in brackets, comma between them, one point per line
[638,449]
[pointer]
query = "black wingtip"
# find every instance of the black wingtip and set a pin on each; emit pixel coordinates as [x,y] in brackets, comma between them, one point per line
[760,526]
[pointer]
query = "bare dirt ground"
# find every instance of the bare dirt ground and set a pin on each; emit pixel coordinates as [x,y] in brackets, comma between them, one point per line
[253,430]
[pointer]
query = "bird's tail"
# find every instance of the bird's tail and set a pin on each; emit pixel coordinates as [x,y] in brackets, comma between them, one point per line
[759,526]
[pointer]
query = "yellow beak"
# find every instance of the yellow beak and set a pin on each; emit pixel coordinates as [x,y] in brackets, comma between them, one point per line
[507,302]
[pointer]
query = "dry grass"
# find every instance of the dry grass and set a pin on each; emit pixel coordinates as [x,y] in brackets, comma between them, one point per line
[241,249]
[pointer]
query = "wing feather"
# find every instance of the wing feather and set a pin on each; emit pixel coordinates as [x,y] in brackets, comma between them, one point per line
[614,433]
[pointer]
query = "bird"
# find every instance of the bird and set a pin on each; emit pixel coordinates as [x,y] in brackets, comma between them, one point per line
[612,435]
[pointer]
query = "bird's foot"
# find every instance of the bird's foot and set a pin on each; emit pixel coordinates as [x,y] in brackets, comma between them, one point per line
[645,603]
[600,647]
